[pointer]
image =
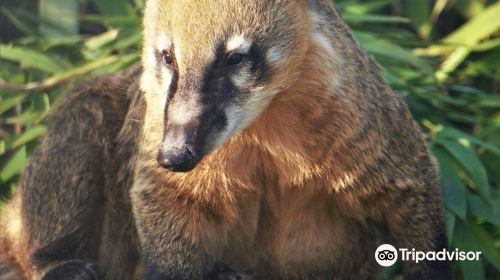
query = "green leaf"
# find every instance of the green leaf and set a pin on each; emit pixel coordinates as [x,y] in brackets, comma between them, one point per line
[487,245]
[452,134]
[482,209]
[464,240]
[41,102]
[438,8]
[472,164]
[29,135]
[385,48]
[450,225]
[27,117]
[127,40]
[126,61]
[30,58]
[356,19]
[467,37]
[17,22]
[113,7]
[470,8]
[454,191]
[85,68]
[419,12]
[480,27]
[98,41]
[489,101]
[363,8]
[58,18]
[11,102]
[97,46]
[14,165]
[116,21]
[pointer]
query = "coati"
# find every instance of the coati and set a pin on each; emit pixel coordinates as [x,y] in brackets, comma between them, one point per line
[258,140]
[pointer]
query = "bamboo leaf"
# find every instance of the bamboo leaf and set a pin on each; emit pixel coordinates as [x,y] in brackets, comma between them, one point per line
[464,240]
[480,27]
[450,225]
[14,165]
[452,134]
[454,191]
[356,19]
[59,18]
[467,37]
[28,136]
[481,209]
[484,241]
[31,59]
[10,102]
[419,12]
[113,7]
[363,8]
[17,22]
[471,163]
[385,48]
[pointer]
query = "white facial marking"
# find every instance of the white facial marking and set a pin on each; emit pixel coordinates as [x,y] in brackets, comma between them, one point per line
[166,80]
[232,114]
[253,107]
[241,116]
[163,43]
[151,57]
[174,141]
[238,43]
[184,112]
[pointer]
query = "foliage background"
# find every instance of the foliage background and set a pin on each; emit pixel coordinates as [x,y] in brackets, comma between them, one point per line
[442,56]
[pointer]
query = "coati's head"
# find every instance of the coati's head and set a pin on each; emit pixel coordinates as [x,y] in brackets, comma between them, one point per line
[212,66]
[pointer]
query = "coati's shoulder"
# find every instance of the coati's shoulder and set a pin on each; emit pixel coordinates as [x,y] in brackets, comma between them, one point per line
[100,103]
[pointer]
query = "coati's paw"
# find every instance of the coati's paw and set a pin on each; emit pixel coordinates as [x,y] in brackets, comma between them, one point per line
[72,270]
[223,272]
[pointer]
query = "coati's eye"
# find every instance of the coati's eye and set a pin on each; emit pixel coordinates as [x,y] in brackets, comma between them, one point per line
[167,57]
[235,59]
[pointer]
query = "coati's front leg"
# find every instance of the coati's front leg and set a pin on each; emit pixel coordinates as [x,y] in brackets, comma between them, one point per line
[180,237]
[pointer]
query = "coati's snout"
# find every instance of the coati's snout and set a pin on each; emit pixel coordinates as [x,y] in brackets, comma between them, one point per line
[194,119]
[177,159]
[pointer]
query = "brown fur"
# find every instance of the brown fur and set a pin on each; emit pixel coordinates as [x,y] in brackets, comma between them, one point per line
[64,204]
[299,194]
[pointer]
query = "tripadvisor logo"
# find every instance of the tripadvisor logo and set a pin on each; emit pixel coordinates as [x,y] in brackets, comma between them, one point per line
[387,255]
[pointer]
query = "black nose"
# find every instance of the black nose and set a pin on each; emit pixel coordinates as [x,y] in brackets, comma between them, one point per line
[177,160]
